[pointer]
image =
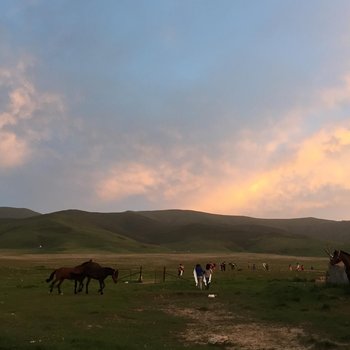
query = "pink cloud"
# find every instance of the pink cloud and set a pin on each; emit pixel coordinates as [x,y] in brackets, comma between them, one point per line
[24,103]
[13,151]
[131,179]
[163,181]
[295,184]
[286,167]
[320,161]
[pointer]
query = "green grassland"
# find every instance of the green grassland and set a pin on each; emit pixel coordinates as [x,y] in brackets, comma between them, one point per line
[153,315]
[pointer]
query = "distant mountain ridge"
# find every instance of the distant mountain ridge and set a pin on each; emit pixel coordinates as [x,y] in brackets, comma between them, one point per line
[16,213]
[167,231]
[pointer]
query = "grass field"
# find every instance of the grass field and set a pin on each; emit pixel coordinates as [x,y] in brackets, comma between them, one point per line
[252,309]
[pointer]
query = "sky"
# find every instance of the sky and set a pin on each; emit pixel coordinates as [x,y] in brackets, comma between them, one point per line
[230,107]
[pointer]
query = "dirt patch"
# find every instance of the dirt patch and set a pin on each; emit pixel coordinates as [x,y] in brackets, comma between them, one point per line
[218,327]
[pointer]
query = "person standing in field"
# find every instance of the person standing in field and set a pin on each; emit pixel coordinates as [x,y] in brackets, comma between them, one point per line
[180,270]
[207,275]
[199,274]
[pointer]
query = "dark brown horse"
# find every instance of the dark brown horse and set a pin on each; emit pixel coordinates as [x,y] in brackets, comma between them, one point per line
[337,257]
[92,270]
[69,273]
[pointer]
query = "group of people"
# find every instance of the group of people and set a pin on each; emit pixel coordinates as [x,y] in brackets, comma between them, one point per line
[202,276]
[298,267]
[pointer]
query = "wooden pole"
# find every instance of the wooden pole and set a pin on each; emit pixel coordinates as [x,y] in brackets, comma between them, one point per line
[140,275]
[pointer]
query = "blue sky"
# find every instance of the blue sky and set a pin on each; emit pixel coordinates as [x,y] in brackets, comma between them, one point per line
[229,107]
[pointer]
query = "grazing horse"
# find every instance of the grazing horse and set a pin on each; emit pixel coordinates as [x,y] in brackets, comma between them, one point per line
[70,273]
[337,257]
[92,270]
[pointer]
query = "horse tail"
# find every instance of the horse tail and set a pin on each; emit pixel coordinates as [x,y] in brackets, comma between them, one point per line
[51,276]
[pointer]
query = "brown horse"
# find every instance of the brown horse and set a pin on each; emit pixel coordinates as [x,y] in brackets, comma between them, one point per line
[337,257]
[70,273]
[92,270]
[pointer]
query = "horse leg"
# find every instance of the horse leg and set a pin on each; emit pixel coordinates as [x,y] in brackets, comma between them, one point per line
[102,285]
[59,287]
[81,285]
[52,285]
[87,285]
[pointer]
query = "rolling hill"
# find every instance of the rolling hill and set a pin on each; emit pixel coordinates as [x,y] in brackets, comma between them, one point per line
[16,213]
[167,231]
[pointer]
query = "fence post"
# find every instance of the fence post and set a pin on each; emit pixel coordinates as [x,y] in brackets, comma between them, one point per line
[140,275]
[164,272]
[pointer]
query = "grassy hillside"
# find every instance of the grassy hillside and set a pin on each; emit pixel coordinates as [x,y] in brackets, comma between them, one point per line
[55,232]
[327,230]
[16,213]
[170,230]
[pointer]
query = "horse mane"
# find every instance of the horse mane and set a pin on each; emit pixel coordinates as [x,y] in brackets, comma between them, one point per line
[86,262]
[347,254]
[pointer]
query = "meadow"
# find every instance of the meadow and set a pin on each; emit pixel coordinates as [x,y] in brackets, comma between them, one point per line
[252,309]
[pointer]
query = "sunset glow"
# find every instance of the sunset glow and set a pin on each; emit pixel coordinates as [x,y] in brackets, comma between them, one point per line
[229,109]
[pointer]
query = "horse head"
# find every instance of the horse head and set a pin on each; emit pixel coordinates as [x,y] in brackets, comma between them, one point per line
[335,258]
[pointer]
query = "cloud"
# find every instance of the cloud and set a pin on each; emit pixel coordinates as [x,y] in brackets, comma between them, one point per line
[130,180]
[13,151]
[298,165]
[295,185]
[161,182]
[26,114]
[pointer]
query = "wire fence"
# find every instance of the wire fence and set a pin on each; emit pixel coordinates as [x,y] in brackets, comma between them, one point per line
[142,275]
